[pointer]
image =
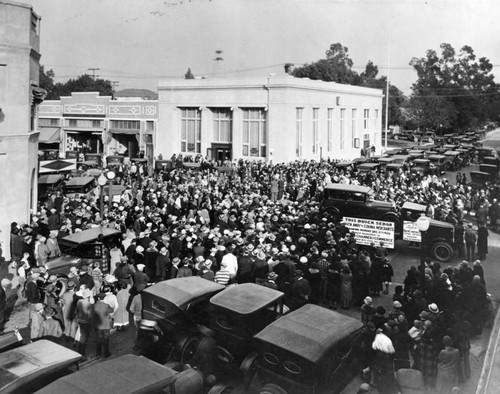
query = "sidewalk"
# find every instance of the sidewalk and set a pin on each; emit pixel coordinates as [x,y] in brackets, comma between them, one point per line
[489,381]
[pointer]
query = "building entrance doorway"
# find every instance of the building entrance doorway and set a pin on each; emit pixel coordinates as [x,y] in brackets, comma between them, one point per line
[220,153]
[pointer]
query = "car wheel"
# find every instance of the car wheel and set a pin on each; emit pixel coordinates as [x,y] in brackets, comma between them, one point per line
[442,251]
[272,388]
[188,349]
[332,215]
[224,358]
[248,368]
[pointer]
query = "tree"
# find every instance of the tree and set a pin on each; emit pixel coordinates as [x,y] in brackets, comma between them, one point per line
[83,83]
[46,81]
[337,67]
[189,74]
[453,91]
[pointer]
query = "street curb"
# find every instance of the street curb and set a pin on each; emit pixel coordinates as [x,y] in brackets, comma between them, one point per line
[486,371]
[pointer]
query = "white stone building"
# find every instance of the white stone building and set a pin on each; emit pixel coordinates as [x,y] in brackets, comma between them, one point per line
[275,118]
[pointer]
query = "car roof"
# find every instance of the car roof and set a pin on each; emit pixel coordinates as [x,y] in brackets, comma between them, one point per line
[436,157]
[80,181]
[451,152]
[350,188]
[128,374]
[369,165]
[309,332]
[90,234]
[421,160]
[386,159]
[412,206]
[49,179]
[246,298]
[30,359]
[180,291]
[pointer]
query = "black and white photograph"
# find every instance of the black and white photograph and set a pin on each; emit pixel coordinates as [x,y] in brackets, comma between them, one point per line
[249,196]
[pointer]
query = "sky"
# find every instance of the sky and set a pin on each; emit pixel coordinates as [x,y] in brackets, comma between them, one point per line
[141,42]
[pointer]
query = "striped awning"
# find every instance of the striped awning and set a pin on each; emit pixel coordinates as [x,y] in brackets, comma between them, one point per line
[49,135]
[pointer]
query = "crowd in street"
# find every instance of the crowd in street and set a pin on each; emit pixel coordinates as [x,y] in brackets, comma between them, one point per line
[258,222]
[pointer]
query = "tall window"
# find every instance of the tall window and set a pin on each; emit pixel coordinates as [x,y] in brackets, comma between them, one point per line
[330,129]
[354,115]
[222,124]
[342,128]
[254,132]
[376,119]
[298,131]
[315,130]
[366,141]
[191,130]
[366,118]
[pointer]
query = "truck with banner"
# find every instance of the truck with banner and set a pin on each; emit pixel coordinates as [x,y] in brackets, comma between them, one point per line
[379,221]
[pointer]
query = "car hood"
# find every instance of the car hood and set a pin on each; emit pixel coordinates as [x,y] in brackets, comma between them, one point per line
[381,204]
[63,263]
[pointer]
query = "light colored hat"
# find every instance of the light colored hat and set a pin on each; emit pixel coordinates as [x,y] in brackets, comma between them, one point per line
[433,308]
[141,267]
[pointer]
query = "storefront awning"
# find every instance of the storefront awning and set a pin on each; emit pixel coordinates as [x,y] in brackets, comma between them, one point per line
[49,135]
[121,131]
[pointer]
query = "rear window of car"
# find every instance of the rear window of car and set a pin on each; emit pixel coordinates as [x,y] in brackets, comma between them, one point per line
[335,194]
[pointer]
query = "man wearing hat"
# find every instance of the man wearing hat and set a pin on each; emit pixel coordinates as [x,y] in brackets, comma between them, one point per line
[301,291]
[470,237]
[36,321]
[102,323]
[84,320]
[68,311]
[51,328]
[271,280]
[141,280]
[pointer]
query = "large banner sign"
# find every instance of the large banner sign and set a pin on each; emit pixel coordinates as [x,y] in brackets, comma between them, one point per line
[368,231]
[411,232]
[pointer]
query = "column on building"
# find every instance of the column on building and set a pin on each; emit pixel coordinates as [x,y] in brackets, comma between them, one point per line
[206,130]
[237,132]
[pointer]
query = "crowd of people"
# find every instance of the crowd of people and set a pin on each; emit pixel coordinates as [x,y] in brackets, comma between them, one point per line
[252,222]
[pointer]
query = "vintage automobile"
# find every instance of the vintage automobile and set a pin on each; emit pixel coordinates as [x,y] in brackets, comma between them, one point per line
[367,167]
[416,154]
[401,159]
[479,178]
[395,151]
[439,238]
[439,163]
[453,160]
[10,340]
[344,165]
[485,152]
[494,161]
[129,374]
[236,315]
[355,201]
[48,184]
[310,350]
[172,310]
[81,247]
[395,167]
[490,169]
[80,186]
[33,366]
[422,167]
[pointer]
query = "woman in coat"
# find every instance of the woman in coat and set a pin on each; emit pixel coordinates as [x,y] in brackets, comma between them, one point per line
[482,241]
[121,314]
[346,287]
[448,367]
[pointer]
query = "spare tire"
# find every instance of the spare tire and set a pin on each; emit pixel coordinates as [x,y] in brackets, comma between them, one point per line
[442,251]
[272,388]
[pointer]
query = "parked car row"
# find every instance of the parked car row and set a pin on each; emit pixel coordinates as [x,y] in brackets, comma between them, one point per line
[245,332]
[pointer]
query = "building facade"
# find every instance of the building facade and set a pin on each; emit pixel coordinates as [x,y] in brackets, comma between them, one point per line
[278,119]
[19,96]
[86,123]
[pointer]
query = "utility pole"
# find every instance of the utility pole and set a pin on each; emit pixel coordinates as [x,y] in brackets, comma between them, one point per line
[93,72]
[218,59]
